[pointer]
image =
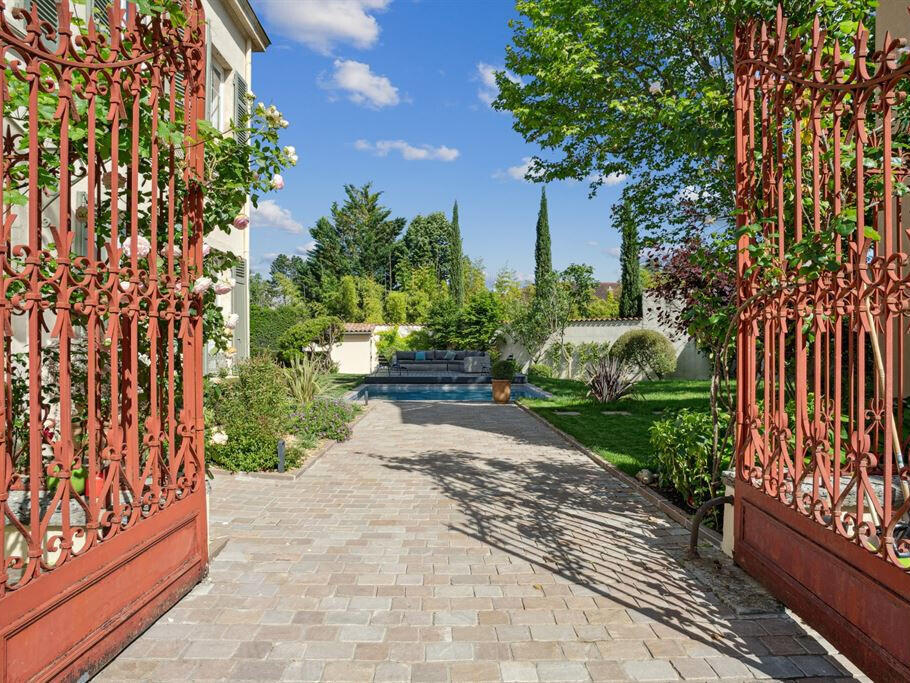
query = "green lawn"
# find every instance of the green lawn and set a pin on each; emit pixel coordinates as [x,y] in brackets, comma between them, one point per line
[621,439]
[338,384]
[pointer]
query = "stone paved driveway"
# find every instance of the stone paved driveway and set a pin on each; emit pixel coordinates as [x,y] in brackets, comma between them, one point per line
[456,542]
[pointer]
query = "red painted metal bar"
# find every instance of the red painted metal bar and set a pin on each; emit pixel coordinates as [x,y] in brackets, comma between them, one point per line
[822,171]
[101,455]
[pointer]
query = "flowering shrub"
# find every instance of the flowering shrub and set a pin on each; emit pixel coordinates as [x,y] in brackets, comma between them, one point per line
[325,418]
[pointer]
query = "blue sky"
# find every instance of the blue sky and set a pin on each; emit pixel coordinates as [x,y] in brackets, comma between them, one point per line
[397,92]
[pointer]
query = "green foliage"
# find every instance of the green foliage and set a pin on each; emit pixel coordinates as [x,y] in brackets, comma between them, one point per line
[504,369]
[325,418]
[456,261]
[508,290]
[304,377]
[475,326]
[543,259]
[389,341]
[370,293]
[358,238]
[682,446]
[349,302]
[424,290]
[427,243]
[608,307]
[396,308]
[267,325]
[314,337]
[539,370]
[588,353]
[647,350]
[478,323]
[250,414]
[578,279]
[630,291]
[627,86]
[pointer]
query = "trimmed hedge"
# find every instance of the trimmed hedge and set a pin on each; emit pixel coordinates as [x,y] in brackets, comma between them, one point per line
[268,324]
[647,350]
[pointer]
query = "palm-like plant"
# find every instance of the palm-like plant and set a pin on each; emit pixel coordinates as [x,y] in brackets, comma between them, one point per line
[609,379]
[304,379]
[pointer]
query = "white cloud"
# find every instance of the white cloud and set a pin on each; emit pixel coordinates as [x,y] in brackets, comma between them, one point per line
[515,172]
[269,215]
[305,249]
[593,243]
[610,180]
[612,251]
[486,74]
[321,24]
[409,152]
[362,85]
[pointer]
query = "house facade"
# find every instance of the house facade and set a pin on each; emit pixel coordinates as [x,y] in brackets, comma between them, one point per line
[234,34]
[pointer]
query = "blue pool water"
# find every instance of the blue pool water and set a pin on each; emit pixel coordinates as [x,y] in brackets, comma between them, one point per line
[439,392]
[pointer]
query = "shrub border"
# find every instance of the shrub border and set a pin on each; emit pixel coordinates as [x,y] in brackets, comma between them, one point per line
[294,475]
[664,505]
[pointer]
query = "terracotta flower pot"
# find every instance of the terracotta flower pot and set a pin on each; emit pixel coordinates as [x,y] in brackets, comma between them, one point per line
[502,390]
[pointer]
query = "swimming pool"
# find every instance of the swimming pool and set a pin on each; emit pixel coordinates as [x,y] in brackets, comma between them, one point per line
[439,392]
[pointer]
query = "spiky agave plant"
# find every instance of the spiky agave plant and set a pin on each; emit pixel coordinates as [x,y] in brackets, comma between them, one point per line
[609,379]
[304,379]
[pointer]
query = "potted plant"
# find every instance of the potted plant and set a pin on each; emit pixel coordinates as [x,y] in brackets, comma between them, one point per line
[503,371]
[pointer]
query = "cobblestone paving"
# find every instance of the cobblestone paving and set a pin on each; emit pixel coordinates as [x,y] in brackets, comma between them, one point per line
[456,542]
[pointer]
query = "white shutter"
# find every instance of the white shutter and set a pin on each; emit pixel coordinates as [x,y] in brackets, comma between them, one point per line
[240,303]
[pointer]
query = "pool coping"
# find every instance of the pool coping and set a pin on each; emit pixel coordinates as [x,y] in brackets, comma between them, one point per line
[352,395]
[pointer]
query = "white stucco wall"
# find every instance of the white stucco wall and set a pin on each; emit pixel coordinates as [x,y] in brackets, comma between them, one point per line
[357,353]
[690,364]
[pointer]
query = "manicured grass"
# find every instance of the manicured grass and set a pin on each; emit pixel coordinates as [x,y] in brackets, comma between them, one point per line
[620,439]
[338,384]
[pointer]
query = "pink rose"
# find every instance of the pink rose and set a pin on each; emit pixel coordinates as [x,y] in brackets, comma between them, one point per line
[242,222]
[277,182]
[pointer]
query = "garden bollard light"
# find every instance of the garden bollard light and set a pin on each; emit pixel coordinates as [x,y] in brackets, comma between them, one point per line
[281,455]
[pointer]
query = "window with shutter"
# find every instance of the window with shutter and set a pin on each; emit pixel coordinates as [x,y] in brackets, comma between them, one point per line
[240,303]
[47,10]
[241,105]
[99,10]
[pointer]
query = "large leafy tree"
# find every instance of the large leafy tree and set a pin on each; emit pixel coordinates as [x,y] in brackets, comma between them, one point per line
[644,89]
[578,279]
[358,239]
[427,243]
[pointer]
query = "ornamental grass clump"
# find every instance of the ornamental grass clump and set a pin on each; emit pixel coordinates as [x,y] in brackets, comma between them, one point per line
[609,379]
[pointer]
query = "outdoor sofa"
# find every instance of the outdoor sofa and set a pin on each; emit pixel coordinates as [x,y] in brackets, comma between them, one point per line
[442,361]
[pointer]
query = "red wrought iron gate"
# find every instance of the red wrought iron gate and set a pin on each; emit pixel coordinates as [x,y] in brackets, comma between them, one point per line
[102,484]
[823,423]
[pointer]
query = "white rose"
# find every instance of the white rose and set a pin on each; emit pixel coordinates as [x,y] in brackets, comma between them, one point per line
[177,251]
[655,88]
[206,248]
[219,438]
[231,321]
[224,285]
[143,247]
[277,182]
[202,285]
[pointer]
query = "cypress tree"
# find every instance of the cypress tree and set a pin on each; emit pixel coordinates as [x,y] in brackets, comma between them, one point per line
[543,259]
[456,265]
[630,280]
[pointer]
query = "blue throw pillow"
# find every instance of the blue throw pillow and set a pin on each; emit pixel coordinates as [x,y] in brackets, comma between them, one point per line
[420,355]
[450,355]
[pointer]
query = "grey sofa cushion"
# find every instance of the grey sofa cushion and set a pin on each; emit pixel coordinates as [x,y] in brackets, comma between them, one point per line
[404,355]
[459,355]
